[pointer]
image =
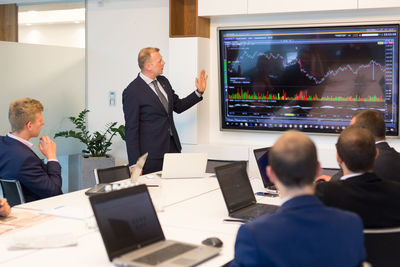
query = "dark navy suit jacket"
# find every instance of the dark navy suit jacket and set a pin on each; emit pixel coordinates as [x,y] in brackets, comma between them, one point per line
[19,162]
[376,200]
[302,232]
[147,123]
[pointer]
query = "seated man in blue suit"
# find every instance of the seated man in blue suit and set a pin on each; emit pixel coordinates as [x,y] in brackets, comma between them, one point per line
[302,232]
[17,159]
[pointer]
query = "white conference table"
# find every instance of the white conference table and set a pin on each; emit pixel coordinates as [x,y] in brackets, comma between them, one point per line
[193,210]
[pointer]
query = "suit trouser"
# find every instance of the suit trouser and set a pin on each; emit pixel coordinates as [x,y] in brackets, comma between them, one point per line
[155,165]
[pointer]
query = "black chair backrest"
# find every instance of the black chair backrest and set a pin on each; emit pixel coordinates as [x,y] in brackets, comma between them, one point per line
[213,163]
[113,174]
[382,246]
[12,190]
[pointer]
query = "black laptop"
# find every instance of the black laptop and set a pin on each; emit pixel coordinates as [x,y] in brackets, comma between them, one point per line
[238,194]
[132,233]
[261,156]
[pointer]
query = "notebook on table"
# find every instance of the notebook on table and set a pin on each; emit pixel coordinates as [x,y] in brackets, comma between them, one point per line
[184,165]
[134,237]
[238,194]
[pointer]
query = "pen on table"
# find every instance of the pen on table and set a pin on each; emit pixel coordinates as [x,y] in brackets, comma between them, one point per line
[235,220]
[152,185]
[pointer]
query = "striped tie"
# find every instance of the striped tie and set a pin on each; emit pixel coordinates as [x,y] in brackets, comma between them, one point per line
[161,96]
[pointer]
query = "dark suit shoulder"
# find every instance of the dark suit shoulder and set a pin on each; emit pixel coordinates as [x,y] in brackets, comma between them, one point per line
[323,186]
[14,148]
[136,84]
[387,164]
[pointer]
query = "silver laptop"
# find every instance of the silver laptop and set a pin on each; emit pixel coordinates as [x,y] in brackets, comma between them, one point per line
[132,233]
[184,165]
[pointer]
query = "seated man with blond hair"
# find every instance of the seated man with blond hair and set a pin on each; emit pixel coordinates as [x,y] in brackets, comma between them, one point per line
[17,159]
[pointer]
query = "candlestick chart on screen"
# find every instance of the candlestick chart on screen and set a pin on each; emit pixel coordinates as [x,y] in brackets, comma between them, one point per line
[311,79]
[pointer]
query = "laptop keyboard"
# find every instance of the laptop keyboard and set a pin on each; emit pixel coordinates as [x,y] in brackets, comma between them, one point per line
[254,211]
[164,254]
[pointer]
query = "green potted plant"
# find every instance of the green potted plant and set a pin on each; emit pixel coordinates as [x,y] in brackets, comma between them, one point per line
[98,143]
[94,155]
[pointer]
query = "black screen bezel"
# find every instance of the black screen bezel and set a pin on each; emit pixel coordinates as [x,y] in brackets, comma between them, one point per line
[224,127]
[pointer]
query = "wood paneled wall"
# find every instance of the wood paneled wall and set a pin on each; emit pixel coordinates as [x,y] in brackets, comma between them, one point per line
[9,23]
[184,22]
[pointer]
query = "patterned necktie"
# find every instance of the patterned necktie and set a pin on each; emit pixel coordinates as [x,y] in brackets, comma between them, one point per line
[161,96]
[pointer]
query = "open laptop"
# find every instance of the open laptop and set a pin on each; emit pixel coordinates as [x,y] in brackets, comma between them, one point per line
[184,165]
[261,156]
[238,194]
[122,172]
[139,167]
[132,233]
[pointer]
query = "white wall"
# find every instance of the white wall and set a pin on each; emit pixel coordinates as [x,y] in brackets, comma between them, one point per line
[69,34]
[116,31]
[53,75]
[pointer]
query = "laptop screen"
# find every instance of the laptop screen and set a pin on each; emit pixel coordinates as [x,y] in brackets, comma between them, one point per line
[113,174]
[235,185]
[261,156]
[126,219]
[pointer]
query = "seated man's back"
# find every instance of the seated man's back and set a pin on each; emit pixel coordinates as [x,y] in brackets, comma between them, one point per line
[387,164]
[359,190]
[375,200]
[303,232]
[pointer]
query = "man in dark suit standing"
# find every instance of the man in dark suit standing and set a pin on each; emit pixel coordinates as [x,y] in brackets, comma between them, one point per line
[360,190]
[387,163]
[302,232]
[17,159]
[148,103]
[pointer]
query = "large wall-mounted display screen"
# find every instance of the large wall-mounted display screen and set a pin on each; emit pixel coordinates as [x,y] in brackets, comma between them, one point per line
[312,79]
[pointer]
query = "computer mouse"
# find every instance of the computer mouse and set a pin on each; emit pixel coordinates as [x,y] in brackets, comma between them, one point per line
[213,241]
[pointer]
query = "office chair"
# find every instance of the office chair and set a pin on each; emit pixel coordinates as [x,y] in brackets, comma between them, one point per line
[213,163]
[113,174]
[382,246]
[12,190]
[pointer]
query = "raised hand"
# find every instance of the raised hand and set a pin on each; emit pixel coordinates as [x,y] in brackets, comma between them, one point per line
[201,81]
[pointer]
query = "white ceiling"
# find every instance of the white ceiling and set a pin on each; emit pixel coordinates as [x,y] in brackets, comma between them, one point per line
[52,6]
[30,2]
[51,14]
